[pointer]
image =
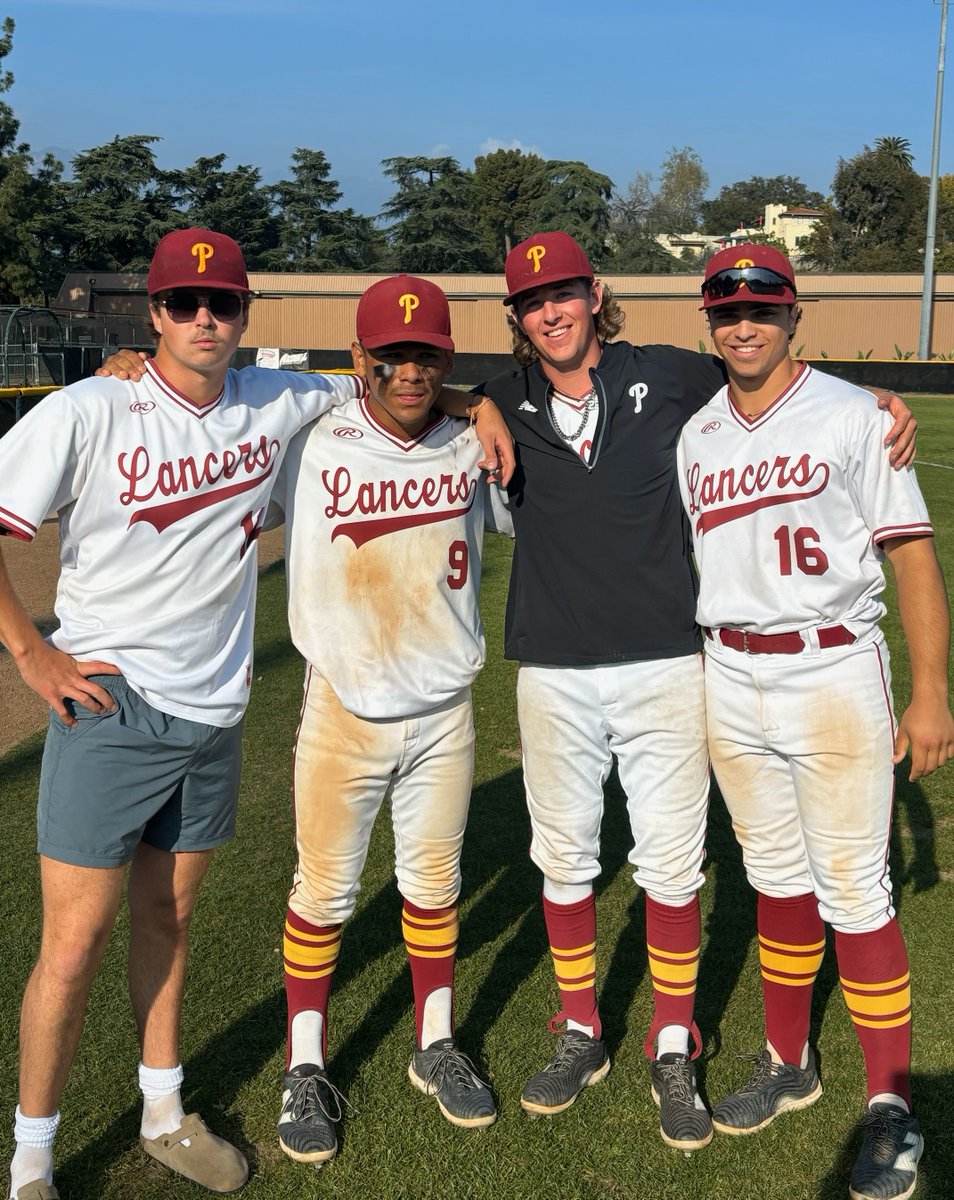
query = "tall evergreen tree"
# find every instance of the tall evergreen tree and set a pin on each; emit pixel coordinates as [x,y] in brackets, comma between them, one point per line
[232,202]
[509,185]
[575,198]
[433,215]
[314,235]
[114,210]
[27,274]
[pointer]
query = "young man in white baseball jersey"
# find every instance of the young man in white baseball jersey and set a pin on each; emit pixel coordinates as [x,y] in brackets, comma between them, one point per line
[161,490]
[385,509]
[601,618]
[793,510]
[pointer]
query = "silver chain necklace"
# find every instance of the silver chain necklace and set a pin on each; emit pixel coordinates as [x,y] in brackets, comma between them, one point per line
[590,404]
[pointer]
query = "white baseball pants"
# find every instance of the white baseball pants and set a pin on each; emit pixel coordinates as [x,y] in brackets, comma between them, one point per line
[801,747]
[651,716]
[345,767]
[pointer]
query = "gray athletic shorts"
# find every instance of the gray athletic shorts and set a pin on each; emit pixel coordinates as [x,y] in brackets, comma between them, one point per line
[134,775]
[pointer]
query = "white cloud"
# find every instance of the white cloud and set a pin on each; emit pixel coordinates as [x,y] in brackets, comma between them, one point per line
[489,145]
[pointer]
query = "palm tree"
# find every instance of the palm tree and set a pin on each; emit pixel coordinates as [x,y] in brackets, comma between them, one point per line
[898,148]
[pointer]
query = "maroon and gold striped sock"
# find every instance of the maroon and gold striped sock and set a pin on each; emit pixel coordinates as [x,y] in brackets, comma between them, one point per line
[571,929]
[791,949]
[311,954]
[430,937]
[673,936]
[876,984]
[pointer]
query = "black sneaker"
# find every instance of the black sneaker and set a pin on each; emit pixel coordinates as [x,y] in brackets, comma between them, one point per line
[887,1166]
[447,1074]
[683,1120]
[772,1088]
[579,1062]
[311,1107]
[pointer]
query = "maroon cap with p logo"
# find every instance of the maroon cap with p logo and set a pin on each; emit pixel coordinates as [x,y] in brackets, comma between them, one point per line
[544,258]
[197,258]
[403,308]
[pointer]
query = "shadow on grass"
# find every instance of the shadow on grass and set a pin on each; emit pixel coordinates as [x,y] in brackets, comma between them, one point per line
[498,871]
[911,807]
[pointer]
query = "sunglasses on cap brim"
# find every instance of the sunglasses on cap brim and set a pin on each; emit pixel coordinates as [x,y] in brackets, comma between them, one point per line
[182,306]
[760,281]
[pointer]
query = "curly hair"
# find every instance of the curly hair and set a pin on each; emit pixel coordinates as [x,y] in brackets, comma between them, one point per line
[609,322]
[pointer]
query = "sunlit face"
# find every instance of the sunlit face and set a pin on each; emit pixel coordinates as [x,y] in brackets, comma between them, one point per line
[558,318]
[404,380]
[753,340]
[200,342]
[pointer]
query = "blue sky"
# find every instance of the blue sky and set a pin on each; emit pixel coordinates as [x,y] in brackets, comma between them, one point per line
[756,89]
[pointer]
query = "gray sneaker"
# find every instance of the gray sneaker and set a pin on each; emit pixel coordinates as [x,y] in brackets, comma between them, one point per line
[447,1074]
[887,1166]
[580,1061]
[311,1107]
[772,1088]
[683,1121]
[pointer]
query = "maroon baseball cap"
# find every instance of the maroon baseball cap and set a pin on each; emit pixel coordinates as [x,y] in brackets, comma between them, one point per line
[197,258]
[544,258]
[748,275]
[403,308]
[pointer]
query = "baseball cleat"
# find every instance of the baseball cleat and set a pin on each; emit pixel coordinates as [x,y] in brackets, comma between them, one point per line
[887,1165]
[580,1061]
[772,1088]
[446,1073]
[311,1107]
[684,1122]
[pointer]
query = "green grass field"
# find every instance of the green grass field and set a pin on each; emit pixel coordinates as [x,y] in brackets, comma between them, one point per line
[395,1144]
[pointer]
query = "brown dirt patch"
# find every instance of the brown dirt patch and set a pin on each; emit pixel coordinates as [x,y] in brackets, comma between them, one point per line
[34,568]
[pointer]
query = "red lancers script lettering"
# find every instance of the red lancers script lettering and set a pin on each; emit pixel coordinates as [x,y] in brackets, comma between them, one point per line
[184,477]
[778,482]
[392,505]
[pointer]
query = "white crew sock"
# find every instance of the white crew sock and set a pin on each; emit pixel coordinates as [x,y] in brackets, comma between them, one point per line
[306,1030]
[162,1110]
[889,1098]
[436,1023]
[672,1039]
[33,1157]
[777,1058]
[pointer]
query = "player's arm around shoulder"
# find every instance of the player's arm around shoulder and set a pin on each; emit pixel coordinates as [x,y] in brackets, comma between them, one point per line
[927,727]
[490,426]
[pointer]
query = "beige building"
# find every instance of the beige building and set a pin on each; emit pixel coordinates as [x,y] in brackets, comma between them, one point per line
[788,225]
[845,316]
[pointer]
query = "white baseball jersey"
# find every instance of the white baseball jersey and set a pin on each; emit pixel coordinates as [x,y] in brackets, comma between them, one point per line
[383,545]
[788,508]
[160,504]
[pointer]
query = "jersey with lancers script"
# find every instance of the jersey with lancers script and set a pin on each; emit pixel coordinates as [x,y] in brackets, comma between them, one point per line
[160,503]
[383,545]
[788,508]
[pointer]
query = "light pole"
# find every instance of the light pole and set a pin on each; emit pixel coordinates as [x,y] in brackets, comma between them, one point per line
[924,341]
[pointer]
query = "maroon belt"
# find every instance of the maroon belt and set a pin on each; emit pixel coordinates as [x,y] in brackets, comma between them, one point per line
[781,643]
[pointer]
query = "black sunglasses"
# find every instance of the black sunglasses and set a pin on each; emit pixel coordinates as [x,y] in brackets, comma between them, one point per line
[759,280]
[182,306]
